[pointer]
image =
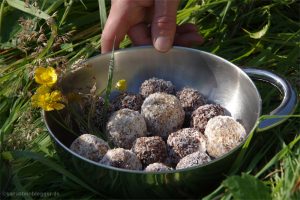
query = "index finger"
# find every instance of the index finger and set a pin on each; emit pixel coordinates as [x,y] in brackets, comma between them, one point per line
[115,28]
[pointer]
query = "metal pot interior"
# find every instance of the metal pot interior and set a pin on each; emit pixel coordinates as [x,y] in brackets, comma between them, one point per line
[217,79]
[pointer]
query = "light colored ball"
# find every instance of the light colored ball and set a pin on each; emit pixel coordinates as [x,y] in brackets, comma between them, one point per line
[121,158]
[223,134]
[157,167]
[90,147]
[163,114]
[194,159]
[125,126]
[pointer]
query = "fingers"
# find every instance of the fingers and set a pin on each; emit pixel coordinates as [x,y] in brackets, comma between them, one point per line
[184,28]
[188,39]
[164,24]
[131,16]
[116,26]
[187,35]
[140,34]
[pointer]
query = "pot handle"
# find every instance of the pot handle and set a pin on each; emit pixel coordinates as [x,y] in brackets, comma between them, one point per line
[289,101]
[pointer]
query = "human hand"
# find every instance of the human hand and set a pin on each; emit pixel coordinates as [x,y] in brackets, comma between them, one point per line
[147,22]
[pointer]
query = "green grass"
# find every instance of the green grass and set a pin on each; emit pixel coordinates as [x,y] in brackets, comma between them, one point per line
[263,34]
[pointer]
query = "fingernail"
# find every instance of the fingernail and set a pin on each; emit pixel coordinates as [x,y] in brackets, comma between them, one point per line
[163,43]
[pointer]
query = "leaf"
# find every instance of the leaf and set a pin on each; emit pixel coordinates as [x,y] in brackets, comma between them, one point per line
[67,47]
[259,34]
[28,9]
[246,187]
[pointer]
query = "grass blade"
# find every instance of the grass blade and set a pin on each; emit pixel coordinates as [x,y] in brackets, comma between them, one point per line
[20,5]
[109,81]
[102,12]
[50,164]
[1,16]
[278,156]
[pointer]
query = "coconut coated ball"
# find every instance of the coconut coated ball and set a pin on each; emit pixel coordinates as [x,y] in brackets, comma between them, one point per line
[90,147]
[194,159]
[163,114]
[124,126]
[184,142]
[154,85]
[150,149]
[157,167]
[121,158]
[128,100]
[190,100]
[223,134]
[204,113]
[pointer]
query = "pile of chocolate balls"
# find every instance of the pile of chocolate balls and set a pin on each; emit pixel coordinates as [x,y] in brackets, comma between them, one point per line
[161,129]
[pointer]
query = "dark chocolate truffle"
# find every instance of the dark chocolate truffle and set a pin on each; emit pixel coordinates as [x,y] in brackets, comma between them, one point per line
[204,113]
[163,114]
[223,134]
[184,142]
[98,119]
[194,159]
[90,147]
[190,100]
[150,149]
[124,126]
[128,100]
[154,85]
[121,158]
[157,167]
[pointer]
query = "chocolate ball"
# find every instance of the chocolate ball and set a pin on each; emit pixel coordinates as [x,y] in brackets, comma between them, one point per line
[157,167]
[163,114]
[184,142]
[204,113]
[154,85]
[128,100]
[94,109]
[150,149]
[121,158]
[90,147]
[190,100]
[223,134]
[124,126]
[194,159]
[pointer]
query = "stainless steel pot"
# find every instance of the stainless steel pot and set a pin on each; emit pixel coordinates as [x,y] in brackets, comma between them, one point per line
[219,80]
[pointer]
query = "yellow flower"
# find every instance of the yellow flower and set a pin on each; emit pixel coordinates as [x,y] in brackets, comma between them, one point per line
[45,76]
[48,101]
[121,85]
[43,89]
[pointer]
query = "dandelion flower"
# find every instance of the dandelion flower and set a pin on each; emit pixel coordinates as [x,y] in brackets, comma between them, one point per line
[121,85]
[45,76]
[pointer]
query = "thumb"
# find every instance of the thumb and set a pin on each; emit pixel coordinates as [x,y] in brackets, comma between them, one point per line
[164,24]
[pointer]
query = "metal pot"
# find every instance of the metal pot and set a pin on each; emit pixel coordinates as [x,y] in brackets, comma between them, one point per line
[219,80]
